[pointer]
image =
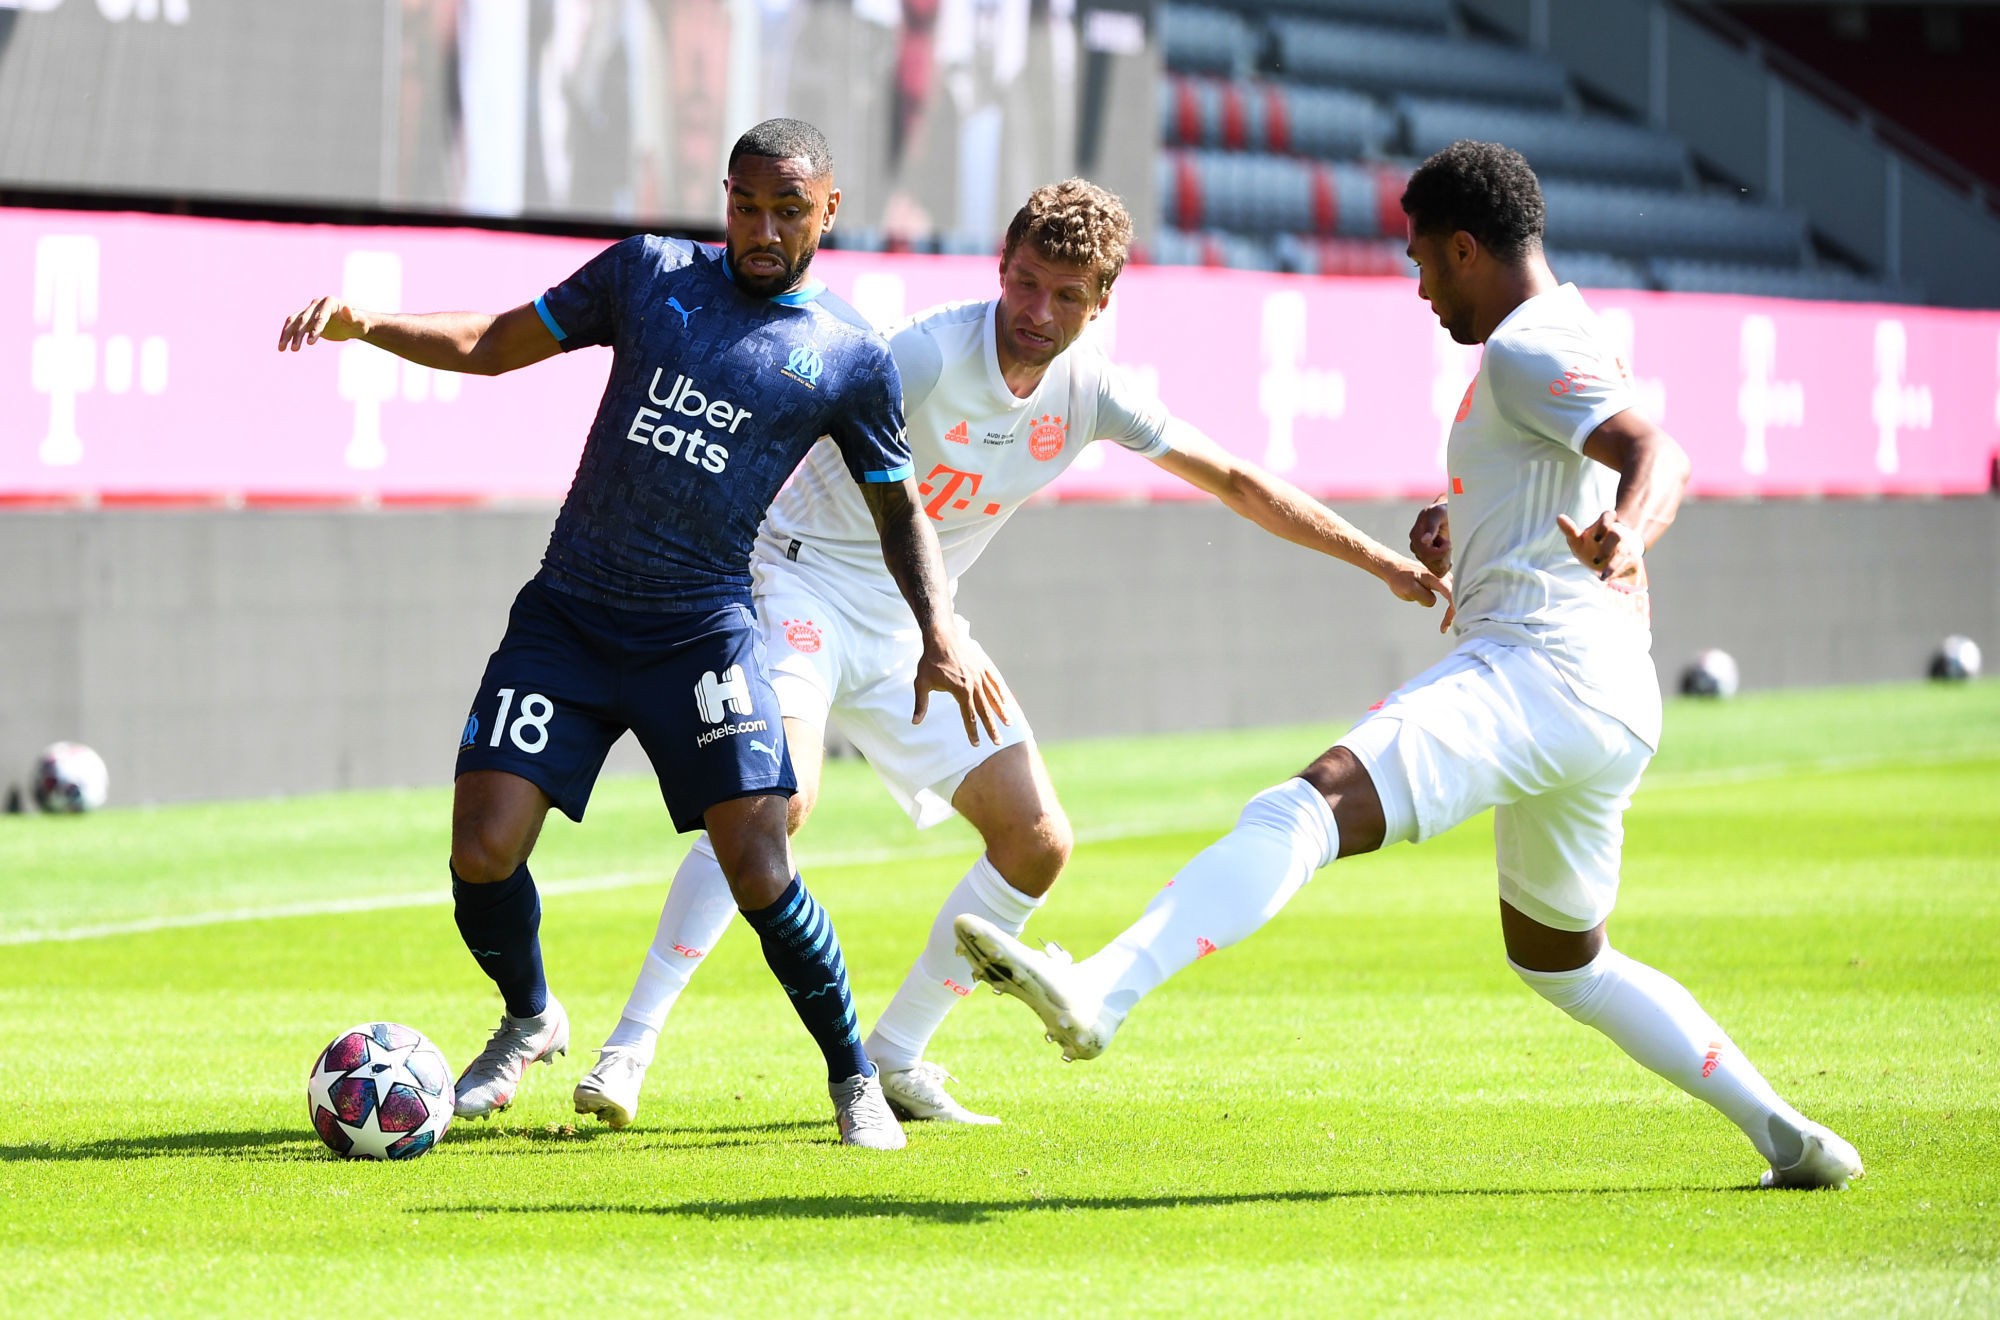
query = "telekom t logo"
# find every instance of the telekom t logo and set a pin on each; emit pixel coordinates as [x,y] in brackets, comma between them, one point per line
[369,377]
[943,485]
[714,697]
[1289,390]
[1763,401]
[65,361]
[1895,405]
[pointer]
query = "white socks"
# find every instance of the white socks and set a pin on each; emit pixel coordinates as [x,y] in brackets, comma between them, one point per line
[1655,1020]
[698,912]
[940,977]
[1231,888]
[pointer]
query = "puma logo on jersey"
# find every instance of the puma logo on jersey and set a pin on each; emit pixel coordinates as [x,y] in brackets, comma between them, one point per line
[685,312]
[771,752]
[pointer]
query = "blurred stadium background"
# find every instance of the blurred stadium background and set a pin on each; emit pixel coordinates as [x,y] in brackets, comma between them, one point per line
[239,574]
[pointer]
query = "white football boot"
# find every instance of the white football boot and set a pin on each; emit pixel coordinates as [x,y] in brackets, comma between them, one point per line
[863,1116]
[1826,1161]
[489,1082]
[1049,983]
[917,1094]
[610,1089]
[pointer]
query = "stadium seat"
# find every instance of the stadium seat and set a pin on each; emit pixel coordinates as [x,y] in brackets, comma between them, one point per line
[1682,276]
[1634,223]
[1595,270]
[1307,254]
[1200,39]
[1240,115]
[1557,146]
[1427,15]
[1179,247]
[1248,192]
[1386,62]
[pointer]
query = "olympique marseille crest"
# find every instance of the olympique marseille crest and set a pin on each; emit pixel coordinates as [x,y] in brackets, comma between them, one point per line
[1045,437]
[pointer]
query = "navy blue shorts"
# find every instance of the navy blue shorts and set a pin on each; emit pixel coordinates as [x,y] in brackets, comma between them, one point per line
[570,677]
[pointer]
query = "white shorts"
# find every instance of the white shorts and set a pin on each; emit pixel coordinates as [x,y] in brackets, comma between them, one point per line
[1493,725]
[847,654]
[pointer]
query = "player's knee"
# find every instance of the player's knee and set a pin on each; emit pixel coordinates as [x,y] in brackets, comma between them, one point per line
[1031,856]
[483,853]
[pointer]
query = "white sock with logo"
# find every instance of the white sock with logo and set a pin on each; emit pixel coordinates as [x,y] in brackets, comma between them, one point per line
[1231,888]
[1654,1019]
[940,977]
[698,911]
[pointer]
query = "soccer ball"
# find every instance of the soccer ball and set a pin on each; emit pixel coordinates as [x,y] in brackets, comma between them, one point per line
[69,778]
[380,1091]
[1711,673]
[1956,660]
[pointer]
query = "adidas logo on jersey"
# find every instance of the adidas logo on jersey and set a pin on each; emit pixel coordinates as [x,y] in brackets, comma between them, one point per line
[958,435]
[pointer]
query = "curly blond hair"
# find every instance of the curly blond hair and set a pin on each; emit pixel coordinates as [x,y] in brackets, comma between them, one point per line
[1077,223]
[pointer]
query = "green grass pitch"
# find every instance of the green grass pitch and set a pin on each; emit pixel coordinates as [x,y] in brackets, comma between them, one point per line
[1359,1111]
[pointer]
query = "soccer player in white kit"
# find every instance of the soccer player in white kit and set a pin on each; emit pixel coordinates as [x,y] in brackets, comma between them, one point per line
[1547,709]
[1000,399]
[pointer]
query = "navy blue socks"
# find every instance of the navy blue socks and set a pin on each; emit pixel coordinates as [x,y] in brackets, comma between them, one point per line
[501,924]
[804,954]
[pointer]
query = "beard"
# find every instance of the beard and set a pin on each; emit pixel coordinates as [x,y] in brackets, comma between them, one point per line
[770,286]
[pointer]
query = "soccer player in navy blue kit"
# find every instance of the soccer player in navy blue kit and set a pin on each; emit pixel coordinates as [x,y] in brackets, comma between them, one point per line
[726,368]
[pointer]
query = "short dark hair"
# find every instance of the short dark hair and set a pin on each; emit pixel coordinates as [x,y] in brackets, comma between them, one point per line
[1076,223]
[786,139]
[1483,188]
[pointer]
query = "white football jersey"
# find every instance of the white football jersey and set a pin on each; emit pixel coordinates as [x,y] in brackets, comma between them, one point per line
[1548,378]
[979,452]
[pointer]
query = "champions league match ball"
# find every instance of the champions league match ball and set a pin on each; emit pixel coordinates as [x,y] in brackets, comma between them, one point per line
[1711,673]
[380,1091]
[70,778]
[1956,659]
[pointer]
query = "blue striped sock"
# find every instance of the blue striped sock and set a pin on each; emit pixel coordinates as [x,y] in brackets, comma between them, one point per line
[804,954]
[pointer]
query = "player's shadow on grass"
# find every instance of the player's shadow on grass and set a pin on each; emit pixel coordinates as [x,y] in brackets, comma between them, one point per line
[294,1143]
[979,1212]
[269,1144]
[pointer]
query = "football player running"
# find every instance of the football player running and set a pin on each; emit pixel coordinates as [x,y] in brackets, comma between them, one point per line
[727,367]
[1001,398]
[1547,710]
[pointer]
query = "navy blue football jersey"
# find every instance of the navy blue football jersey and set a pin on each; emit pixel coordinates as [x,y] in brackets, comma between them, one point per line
[714,397]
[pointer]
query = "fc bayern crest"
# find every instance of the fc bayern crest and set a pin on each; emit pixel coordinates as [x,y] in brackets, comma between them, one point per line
[1046,435]
[803,634]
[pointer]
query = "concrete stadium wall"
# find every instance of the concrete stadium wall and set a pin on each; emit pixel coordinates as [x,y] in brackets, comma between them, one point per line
[213,655]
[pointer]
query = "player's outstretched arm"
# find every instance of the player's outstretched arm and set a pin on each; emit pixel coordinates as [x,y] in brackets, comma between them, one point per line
[478,343]
[1284,510]
[1652,475]
[910,548]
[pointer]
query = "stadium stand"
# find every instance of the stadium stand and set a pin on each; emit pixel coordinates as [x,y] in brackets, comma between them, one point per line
[1287,132]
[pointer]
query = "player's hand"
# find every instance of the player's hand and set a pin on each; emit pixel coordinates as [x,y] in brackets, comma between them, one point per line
[1430,538]
[973,682]
[323,318]
[1607,547]
[1413,582]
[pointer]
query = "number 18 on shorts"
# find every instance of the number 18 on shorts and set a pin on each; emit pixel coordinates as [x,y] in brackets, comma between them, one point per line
[570,677]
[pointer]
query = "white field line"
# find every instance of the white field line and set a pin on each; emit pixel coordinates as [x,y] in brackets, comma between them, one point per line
[1131,829]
